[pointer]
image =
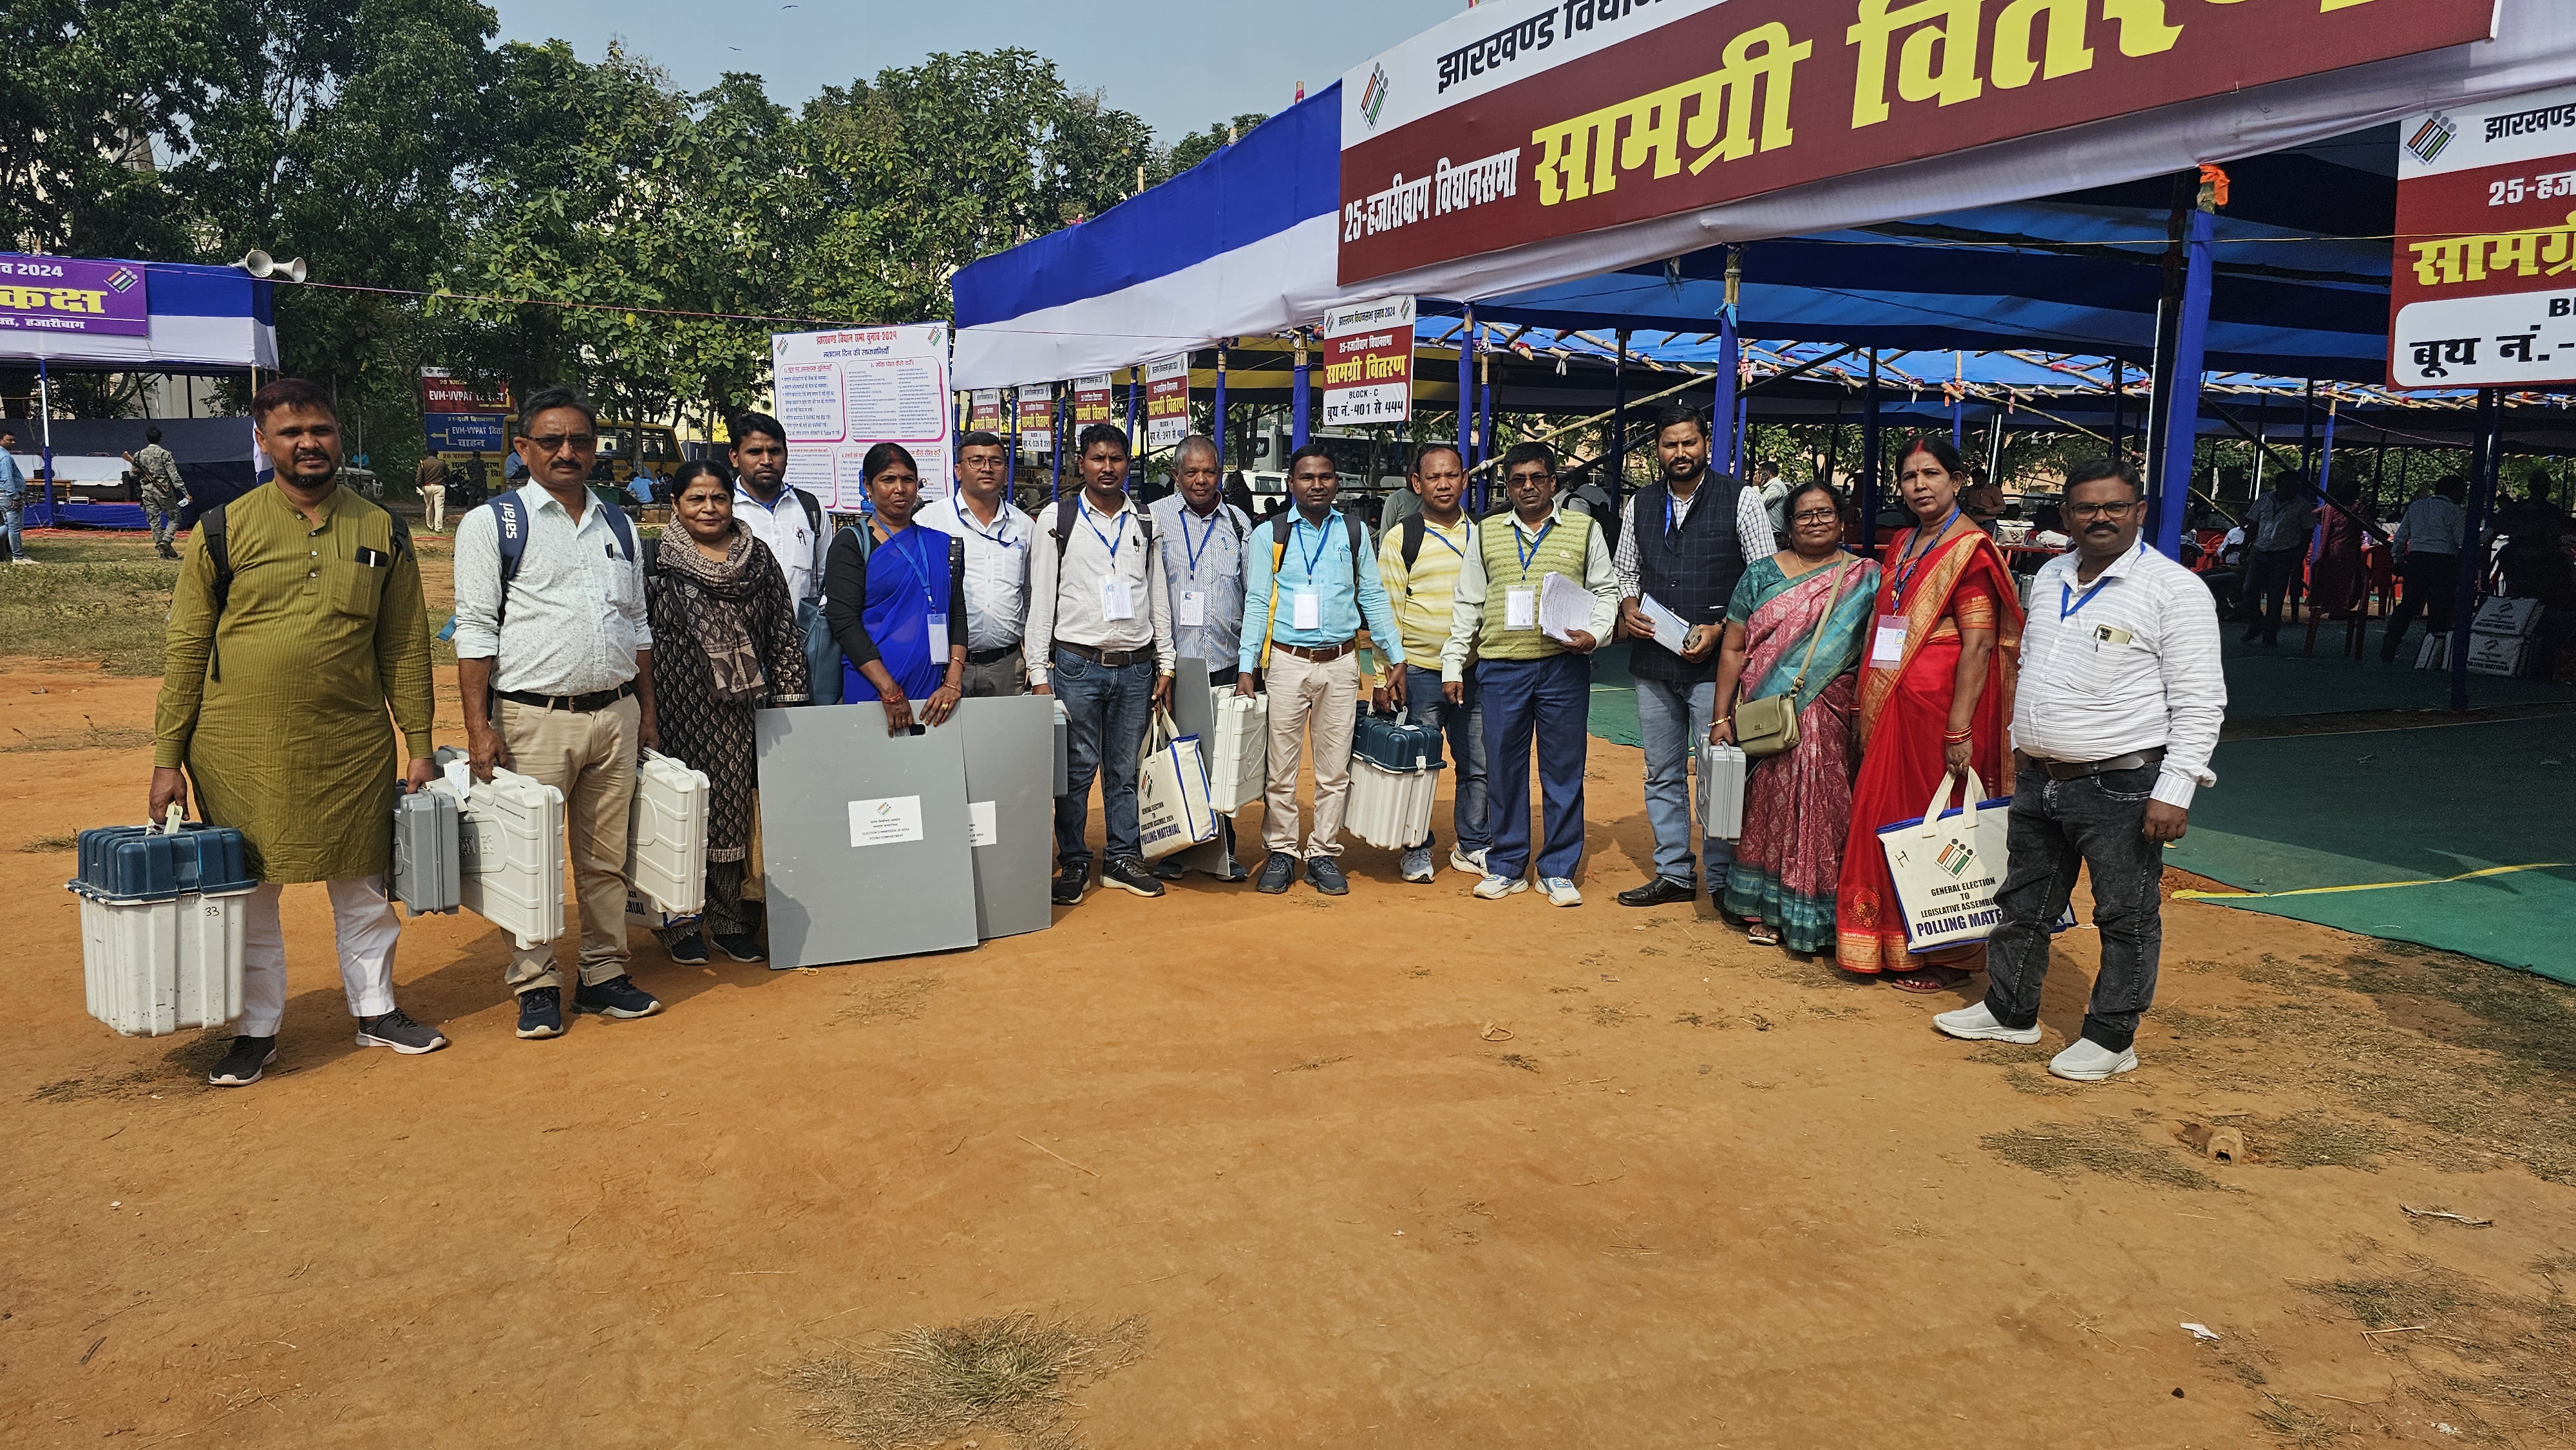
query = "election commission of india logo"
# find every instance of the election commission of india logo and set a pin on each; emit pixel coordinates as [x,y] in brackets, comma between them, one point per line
[2431,137]
[1955,858]
[1373,96]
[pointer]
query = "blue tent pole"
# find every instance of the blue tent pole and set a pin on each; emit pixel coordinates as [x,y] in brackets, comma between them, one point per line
[1730,375]
[1055,439]
[1219,417]
[1134,443]
[45,428]
[1011,456]
[1869,451]
[1484,397]
[1466,401]
[2482,491]
[1959,406]
[1743,432]
[1297,424]
[1619,422]
[2172,490]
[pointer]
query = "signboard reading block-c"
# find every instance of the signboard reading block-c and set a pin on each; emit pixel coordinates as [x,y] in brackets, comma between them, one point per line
[1368,363]
[1167,402]
[2483,293]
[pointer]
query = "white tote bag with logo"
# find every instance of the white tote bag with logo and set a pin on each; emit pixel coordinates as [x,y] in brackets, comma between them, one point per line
[1947,866]
[1172,792]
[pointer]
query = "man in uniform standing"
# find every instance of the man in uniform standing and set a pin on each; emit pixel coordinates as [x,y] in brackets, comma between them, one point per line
[430,481]
[163,490]
[296,625]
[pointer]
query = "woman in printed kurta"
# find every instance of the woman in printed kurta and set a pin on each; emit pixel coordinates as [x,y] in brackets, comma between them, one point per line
[726,645]
[1936,701]
[283,723]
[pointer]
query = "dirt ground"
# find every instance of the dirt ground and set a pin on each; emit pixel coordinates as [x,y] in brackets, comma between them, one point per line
[1400,1169]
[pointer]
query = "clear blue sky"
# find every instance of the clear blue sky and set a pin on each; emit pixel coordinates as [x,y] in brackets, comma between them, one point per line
[1178,63]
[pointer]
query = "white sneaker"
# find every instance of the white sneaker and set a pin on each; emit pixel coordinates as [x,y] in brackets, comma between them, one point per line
[1561,892]
[2089,1061]
[1978,1024]
[1471,862]
[1495,888]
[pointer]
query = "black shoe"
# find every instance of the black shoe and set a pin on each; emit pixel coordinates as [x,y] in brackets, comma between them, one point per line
[1234,872]
[1277,874]
[690,950]
[1170,869]
[742,946]
[541,1012]
[241,1066]
[1662,891]
[167,552]
[616,997]
[400,1033]
[1325,875]
[1070,879]
[1129,874]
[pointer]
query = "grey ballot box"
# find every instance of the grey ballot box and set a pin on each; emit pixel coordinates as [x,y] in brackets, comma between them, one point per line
[1010,807]
[427,875]
[864,836]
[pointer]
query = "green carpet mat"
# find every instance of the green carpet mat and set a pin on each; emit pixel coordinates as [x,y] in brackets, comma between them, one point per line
[1614,697]
[2269,683]
[2462,835]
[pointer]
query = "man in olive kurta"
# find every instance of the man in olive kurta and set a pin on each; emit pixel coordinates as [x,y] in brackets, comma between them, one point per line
[275,698]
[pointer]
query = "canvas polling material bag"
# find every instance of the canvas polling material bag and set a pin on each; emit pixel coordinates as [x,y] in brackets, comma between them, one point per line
[1172,811]
[1947,866]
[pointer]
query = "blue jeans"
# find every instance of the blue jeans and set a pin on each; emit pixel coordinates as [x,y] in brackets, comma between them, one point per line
[2099,824]
[1106,712]
[13,510]
[1547,702]
[1674,720]
[1463,726]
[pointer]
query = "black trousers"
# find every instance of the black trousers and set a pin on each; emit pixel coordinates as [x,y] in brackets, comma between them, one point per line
[2268,578]
[2432,588]
[2098,824]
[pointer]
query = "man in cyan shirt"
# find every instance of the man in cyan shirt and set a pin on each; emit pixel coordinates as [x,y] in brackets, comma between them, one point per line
[1310,583]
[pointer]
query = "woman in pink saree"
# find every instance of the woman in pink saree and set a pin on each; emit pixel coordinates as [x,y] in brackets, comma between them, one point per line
[1797,623]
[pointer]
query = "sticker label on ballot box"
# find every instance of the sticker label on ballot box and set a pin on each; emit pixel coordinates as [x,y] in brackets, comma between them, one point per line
[887,821]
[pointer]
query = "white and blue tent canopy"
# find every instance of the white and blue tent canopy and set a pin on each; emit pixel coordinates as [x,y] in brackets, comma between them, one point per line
[203,319]
[2015,244]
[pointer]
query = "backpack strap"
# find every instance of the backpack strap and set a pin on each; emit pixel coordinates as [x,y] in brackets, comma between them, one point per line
[813,508]
[1065,509]
[218,549]
[1414,527]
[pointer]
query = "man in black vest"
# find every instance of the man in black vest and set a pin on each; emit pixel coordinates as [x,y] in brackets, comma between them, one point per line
[1682,545]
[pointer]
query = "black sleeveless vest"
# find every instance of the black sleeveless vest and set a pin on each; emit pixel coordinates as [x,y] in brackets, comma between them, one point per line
[1690,570]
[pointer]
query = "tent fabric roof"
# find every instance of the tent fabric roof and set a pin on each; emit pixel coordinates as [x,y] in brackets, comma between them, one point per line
[1245,242]
[202,317]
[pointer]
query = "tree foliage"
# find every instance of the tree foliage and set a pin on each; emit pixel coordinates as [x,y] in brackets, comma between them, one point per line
[394,145]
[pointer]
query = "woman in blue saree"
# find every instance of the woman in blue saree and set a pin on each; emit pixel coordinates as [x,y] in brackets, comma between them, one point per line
[894,594]
[1800,612]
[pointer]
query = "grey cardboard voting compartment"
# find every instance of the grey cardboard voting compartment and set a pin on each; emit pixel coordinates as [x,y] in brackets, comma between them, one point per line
[1008,791]
[1195,712]
[830,775]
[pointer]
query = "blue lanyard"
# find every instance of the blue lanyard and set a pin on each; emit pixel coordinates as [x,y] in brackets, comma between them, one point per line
[1442,540]
[2066,592]
[1315,557]
[1668,510]
[912,550]
[1529,555]
[1107,542]
[1001,517]
[1916,552]
[1200,547]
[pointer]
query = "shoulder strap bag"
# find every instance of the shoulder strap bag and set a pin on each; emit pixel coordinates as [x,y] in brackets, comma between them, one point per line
[1769,726]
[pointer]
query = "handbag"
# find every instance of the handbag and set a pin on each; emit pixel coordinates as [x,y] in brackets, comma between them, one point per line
[822,654]
[1769,726]
[1172,811]
[1947,866]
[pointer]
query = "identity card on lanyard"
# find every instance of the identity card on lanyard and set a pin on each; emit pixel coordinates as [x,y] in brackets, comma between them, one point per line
[934,599]
[1117,597]
[1307,606]
[1887,641]
[1520,606]
[1191,606]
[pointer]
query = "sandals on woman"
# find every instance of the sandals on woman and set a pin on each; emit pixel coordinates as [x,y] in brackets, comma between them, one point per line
[1925,980]
[1762,934]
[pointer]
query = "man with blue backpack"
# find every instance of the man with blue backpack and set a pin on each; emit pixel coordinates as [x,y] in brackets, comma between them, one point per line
[554,661]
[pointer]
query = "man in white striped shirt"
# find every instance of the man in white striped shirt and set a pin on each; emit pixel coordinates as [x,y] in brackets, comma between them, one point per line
[2118,709]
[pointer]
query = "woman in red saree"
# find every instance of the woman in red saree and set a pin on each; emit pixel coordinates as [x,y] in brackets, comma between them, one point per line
[1936,700]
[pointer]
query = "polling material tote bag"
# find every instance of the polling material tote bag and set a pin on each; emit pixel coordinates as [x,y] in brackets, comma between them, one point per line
[1947,866]
[1172,811]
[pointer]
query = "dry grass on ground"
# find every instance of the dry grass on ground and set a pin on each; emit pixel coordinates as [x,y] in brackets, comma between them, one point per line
[926,1386]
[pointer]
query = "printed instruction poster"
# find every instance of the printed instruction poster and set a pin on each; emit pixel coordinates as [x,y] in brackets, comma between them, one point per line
[842,393]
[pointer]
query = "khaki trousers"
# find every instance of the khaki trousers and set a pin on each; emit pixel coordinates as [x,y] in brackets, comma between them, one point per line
[1321,701]
[591,759]
[433,508]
